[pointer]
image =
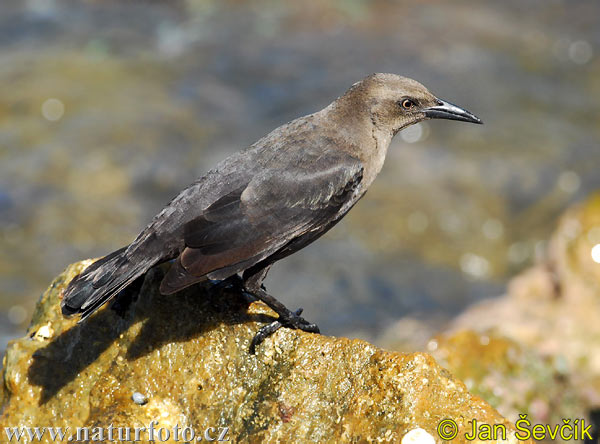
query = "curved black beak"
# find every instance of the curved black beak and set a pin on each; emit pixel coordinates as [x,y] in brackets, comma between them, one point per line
[446,110]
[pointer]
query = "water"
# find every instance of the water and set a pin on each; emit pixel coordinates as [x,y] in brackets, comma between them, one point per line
[107,110]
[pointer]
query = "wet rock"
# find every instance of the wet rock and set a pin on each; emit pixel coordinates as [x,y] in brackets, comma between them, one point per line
[534,350]
[514,378]
[553,308]
[188,355]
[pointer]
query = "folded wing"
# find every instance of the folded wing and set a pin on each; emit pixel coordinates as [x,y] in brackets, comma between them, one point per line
[251,222]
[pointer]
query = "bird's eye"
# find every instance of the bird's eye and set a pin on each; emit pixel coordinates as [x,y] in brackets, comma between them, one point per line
[407,104]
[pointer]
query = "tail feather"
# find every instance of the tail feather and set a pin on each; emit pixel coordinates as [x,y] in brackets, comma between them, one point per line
[100,282]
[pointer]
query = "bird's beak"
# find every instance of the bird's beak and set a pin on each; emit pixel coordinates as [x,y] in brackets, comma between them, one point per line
[446,110]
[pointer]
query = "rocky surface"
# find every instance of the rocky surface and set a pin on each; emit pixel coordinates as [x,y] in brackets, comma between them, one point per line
[536,349]
[184,360]
[513,377]
[553,308]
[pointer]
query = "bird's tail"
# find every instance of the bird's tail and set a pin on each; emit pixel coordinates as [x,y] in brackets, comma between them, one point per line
[100,282]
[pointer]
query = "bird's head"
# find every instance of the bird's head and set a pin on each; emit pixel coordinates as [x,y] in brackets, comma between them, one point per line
[395,102]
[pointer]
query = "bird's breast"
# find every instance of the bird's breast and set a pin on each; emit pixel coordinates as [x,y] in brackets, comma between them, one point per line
[374,158]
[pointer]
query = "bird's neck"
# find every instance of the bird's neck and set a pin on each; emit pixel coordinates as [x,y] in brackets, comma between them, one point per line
[359,134]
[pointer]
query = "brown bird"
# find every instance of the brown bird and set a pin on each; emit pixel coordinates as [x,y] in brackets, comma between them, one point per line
[269,200]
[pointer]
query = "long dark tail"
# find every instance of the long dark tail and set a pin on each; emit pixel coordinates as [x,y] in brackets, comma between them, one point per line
[102,281]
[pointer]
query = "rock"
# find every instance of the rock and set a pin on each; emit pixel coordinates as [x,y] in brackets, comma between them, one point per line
[553,308]
[183,360]
[535,350]
[514,378]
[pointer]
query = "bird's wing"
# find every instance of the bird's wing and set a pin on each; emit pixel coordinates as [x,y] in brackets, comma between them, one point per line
[251,222]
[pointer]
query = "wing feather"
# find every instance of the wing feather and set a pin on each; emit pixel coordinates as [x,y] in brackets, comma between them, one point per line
[277,205]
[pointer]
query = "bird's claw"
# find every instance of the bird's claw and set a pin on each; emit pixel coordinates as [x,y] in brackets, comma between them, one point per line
[293,320]
[298,322]
[263,333]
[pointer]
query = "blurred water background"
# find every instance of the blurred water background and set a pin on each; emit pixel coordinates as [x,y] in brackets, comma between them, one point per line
[108,109]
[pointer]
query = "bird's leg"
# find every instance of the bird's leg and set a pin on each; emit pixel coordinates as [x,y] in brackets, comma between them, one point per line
[287,318]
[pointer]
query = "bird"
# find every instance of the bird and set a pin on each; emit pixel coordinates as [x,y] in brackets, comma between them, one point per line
[267,201]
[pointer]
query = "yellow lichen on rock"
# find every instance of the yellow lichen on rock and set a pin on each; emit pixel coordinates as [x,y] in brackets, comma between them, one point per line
[183,361]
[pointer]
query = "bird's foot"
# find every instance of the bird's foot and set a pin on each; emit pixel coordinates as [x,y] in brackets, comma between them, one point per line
[291,319]
[287,318]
